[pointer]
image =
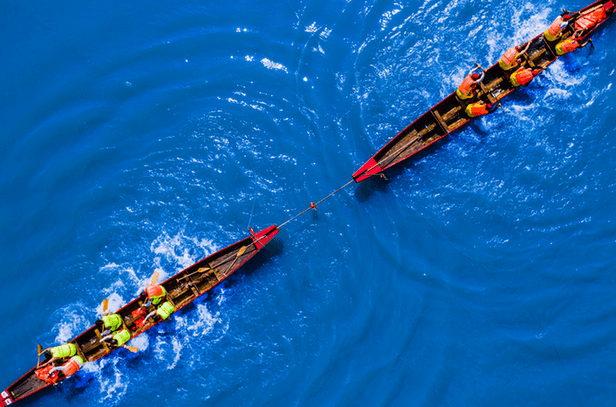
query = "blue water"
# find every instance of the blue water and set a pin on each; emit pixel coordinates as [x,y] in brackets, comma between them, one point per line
[144,135]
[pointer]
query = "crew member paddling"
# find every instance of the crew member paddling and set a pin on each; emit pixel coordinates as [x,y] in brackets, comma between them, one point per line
[510,59]
[479,109]
[68,369]
[523,76]
[155,294]
[566,46]
[109,323]
[570,44]
[118,338]
[161,313]
[466,90]
[588,20]
[555,31]
[58,353]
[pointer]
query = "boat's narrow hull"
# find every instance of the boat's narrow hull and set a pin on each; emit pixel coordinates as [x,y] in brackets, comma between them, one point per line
[182,289]
[449,115]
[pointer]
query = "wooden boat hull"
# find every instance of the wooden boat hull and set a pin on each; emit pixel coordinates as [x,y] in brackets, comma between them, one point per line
[182,288]
[449,115]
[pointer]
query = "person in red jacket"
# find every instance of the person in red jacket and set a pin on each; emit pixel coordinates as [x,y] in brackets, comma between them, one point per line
[523,76]
[479,109]
[466,90]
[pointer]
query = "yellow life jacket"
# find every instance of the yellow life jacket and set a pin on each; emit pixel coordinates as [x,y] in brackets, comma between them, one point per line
[165,310]
[112,322]
[64,351]
[122,337]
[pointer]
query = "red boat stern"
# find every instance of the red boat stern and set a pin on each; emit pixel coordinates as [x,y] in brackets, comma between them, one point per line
[367,170]
[6,399]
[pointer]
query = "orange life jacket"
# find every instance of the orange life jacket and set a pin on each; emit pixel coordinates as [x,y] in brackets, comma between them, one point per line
[589,20]
[509,60]
[43,374]
[155,292]
[477,109]
[465,90]
[72,366]
[566,46]
[554,32]
[521,77]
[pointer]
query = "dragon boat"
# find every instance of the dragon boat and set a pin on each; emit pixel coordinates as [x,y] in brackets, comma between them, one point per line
[451,113]
[182,289]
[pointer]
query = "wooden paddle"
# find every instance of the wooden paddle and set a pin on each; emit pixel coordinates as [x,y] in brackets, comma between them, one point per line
[241,251]
[201,270]
[154,277]
[131,348]
[105,306]
[39,350]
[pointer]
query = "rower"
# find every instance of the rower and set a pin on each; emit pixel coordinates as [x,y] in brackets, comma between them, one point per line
[570,44]
[510,59]
[523,76]
[479,109]
[513,56]
[555,31]
[588,20]
[58,353]
[117,339]
[109,323]
[68,369]
[154,294]
[468,85]
[161,313]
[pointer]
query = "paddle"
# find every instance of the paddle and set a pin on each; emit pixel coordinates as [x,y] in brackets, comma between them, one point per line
[105,306]
[39,350]
[154,277]
[131,348]
[201,270]
[241,251]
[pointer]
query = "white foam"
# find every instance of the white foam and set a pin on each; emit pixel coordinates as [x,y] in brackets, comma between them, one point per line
[113,387]
[177,249]
[126,274]
[273,65]
[204,323]
[142,342]
[177,351]
[73,321]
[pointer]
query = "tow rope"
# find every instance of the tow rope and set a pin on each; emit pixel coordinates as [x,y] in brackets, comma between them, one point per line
[315,205]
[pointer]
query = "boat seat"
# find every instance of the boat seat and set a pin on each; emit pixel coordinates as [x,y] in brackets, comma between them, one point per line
[100,339]
[440,121]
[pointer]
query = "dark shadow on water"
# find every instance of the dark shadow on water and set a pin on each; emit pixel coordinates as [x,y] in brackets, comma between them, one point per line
[274,248]
[366,188]
[477,127]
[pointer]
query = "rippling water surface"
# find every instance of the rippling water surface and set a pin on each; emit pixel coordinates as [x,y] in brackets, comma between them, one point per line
[146,135]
